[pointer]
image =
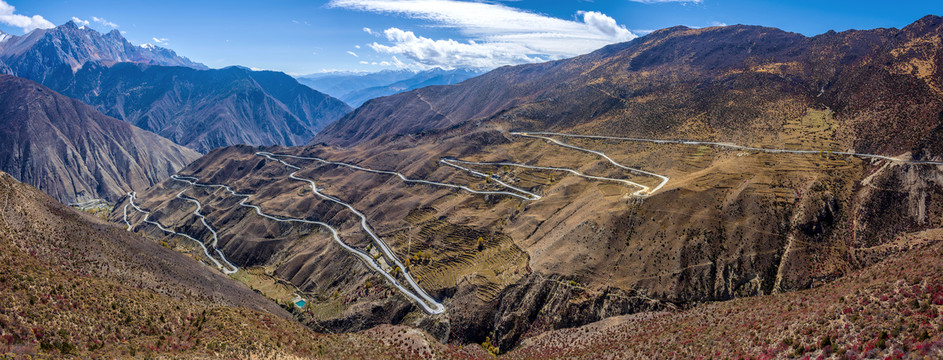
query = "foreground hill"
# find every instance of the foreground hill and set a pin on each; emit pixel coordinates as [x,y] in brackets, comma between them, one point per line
[75,153]
[73,285]
[889,310]
[516,234]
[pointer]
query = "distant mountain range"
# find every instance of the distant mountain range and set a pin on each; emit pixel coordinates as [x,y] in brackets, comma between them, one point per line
[157,90]
[75,153]
[204,109]
[355,89]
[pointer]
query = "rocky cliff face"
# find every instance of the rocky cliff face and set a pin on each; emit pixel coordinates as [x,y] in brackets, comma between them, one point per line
[75,153]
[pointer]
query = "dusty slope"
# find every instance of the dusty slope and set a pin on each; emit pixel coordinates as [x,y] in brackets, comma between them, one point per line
[75,153]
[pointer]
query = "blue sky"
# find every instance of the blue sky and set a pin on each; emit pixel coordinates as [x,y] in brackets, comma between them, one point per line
[301,37]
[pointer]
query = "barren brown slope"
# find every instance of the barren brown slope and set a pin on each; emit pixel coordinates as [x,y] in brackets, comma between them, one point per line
[75,153]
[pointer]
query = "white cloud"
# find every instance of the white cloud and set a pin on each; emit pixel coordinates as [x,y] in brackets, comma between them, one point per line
[356,46]
[449,53]
[364,62]
[718,23]
[27,23]
[353,53]
[80,22]
[368,30]
[498,34]
[104,22]
[667,1]
[160,41]
[606,25]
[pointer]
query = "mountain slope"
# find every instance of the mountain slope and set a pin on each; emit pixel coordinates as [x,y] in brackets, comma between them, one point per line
[75,153]
[891,309]
[204,109]
[74,286]
[43,52]
[356,89]
[724,83]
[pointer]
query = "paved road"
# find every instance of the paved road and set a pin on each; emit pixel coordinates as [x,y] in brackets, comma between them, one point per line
[232,268]
[416,294]
[644,192]
[147,214]
[730,146]
[641,192]
[527,196]
[427,302]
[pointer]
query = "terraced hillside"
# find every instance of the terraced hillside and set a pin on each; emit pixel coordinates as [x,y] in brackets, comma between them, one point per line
[716,173]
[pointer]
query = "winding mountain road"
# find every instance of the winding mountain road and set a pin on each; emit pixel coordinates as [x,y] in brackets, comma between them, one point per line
[645,192]
[147,214]
[419,296]
[726,145]
[196,212]
[429,304]
[527,196]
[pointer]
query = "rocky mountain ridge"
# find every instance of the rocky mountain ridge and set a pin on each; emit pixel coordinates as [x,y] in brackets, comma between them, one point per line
[44,52]
[74,153]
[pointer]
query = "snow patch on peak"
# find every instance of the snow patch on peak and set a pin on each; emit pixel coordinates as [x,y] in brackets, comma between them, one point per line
[4,37]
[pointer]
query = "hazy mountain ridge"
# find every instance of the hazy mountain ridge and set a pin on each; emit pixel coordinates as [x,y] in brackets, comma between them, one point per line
[75,153]
[355,89]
